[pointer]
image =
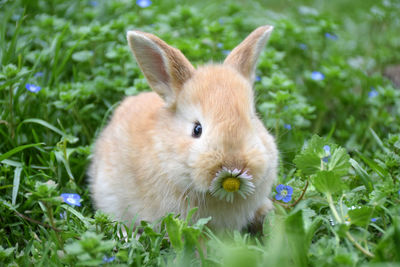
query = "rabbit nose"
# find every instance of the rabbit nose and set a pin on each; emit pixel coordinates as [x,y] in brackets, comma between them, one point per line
[234,163]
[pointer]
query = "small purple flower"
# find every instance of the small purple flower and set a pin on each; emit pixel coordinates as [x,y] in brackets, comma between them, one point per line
[303,46]
[373,93]
[258,78]
[38,74]
[63,215]
[374,219]
[327,150]
[226,52]
[143,3]
[32,88]
[331,36]
[108,259]
[287,126]
[284,193]
[317,76]
[72,199]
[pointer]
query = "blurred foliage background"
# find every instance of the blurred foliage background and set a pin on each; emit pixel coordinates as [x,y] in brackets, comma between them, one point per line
[331,68]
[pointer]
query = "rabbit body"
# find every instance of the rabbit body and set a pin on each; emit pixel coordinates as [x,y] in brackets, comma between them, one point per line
[147,162]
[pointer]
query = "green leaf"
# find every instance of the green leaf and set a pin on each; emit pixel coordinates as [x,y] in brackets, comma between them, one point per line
[190,236]
[315,224]
[82,56]
[339,161]
[77,214]
[327,182]
[17,176]
[43,123]
[375,167]
[190,214]
[60,157]
[297,239]
[361,216]
[16,150]
[174,231]
[363,175]
[309,160]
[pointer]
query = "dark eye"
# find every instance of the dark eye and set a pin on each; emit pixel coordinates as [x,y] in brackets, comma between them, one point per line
[197,129]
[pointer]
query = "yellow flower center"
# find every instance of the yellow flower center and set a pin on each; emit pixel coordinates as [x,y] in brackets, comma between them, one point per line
[231,184]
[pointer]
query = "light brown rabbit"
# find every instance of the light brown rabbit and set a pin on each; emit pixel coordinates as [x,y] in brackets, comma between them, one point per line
[162,149]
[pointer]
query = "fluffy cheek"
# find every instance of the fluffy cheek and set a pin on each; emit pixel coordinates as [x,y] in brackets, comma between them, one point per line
[261,165]
[263,161]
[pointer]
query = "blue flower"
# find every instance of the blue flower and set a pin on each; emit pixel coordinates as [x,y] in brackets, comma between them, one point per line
[38,74]
[284,193]
[221,21]
[287,126]
[108,259]
[374,219]
[72,199]
[331,36]
[63,215]
[303,46]
[32,88]
[327,150]
[226,52]
[258,78]
[373,93]
[143,3]
[93,3]
[317,76]
[220,45]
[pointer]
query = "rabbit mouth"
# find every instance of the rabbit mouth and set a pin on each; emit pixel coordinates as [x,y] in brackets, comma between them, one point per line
[228,184]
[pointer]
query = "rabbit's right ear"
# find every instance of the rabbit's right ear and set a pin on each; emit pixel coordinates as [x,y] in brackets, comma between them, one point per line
[166,68]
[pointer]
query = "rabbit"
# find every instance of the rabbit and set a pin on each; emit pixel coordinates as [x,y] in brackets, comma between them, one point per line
[161,150]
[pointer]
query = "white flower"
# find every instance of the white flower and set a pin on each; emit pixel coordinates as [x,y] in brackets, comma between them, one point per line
[228,183]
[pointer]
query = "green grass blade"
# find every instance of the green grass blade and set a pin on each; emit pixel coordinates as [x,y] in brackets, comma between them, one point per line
[378,140]
[375,167]
[43,123]
[16,150]
[363,175]
[17,177]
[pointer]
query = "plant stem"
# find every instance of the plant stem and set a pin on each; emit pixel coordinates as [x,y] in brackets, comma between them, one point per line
[333,209]
[363,250]
[301,196]
[348,235]
[11,113]
[51,218]
[36,221]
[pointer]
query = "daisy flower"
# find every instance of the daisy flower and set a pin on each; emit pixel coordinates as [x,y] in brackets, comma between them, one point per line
[228,183]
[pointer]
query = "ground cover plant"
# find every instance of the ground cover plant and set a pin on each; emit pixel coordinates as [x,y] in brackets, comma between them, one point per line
[320,90]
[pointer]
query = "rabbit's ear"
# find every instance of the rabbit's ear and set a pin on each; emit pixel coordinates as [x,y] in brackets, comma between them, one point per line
[244,57]
[166,68]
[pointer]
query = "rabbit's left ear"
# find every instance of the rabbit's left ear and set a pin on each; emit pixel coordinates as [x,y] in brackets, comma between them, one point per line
[244,57]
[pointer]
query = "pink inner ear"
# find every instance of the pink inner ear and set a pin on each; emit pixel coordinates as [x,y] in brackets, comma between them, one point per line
[154,66]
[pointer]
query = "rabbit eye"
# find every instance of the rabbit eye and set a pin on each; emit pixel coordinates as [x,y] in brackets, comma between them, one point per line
[197,129]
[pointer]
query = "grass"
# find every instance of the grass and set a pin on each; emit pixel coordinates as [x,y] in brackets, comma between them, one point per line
[345,206]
